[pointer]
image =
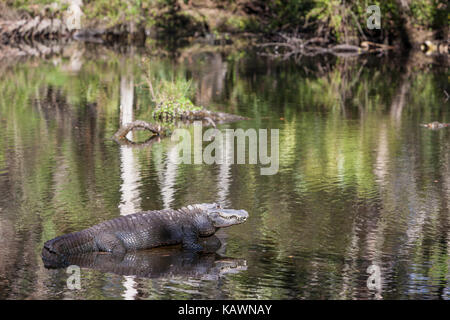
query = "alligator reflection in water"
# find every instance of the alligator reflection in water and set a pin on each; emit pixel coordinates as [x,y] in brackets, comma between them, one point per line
[159,263]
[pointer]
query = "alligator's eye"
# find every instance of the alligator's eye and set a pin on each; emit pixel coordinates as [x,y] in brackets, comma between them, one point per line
[213,214]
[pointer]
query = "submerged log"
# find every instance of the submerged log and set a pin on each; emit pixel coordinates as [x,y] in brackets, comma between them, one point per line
[131,144]
[435,125]
[204,115]
[156,129]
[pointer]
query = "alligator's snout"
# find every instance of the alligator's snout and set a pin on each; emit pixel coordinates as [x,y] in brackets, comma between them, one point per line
[242,216]
[222,218]
[231,214]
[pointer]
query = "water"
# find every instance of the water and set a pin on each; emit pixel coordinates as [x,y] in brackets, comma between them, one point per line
[360,183]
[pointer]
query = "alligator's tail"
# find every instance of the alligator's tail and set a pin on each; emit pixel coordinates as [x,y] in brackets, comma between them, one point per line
[51,258]
[55,251]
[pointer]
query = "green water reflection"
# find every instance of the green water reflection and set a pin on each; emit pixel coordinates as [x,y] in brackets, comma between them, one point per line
[359,181]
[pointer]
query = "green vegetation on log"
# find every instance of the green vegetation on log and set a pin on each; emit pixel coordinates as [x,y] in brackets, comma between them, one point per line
[172,97]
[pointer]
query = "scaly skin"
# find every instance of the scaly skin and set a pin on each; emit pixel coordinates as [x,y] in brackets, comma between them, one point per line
[145,230]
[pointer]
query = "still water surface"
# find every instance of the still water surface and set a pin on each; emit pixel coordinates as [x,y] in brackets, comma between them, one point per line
[360,183]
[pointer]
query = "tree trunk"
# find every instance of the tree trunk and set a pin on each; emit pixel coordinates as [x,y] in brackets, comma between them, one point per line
[411,37]
[72,17]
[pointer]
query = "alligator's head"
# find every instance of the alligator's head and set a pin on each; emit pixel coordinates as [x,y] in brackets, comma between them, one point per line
[222,218]
[219,217]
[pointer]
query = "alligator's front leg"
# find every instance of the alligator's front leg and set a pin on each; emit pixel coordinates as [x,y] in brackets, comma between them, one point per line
[109,242]
[190,239]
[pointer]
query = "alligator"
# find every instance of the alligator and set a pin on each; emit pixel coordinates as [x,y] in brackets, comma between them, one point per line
[435,125]
[145,230]
[158,263]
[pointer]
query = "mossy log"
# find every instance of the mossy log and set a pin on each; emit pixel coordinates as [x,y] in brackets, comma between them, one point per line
[207,116]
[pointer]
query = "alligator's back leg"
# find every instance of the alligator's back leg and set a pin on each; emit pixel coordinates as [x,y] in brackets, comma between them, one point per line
[109,242]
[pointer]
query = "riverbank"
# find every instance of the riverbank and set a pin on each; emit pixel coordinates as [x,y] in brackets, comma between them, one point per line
[403,23]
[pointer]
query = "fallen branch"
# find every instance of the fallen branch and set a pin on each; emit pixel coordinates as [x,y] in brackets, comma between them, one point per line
[208,118]
[36,28]
[156,129]
[204,115]
[293,45]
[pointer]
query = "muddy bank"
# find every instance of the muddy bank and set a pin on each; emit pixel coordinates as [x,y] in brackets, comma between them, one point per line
[43,29]
[35,36]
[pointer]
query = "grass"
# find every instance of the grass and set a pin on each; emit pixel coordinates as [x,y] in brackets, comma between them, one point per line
[173,97]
